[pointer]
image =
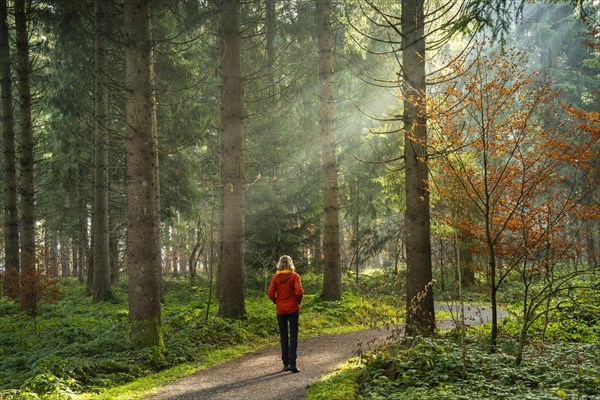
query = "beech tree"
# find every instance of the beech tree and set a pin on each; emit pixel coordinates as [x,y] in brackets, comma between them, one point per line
[507,152]
[589,122]
[143,245]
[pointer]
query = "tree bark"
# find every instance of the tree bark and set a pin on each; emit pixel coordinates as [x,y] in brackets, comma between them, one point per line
[231,275]
[65,253]
[143,250]
[467,262]
[332,269]
[76,256]
[83,253]
[53,256]
[101,283]
[494,292]
[420,318]
[113,248]
[11,233]
[28,258]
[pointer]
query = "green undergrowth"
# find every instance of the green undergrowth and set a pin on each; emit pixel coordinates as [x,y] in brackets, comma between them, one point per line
[561,360]
[77,349]
[432,369]
[341,384]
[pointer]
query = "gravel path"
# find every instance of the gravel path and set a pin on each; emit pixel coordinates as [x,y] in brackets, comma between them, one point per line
[257,376]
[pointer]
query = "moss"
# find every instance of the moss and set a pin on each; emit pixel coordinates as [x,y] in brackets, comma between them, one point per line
[146,332]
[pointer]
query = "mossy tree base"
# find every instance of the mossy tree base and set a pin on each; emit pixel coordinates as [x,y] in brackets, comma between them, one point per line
[145,333]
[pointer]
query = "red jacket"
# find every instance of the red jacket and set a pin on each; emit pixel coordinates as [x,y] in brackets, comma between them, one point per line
[286,291]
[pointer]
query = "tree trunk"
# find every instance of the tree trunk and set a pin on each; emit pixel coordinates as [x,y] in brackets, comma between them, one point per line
[143,251]
[175,263]
[28,259]
[420,318]
[463,348]
[101,283]
[442,267]
[590,228]
[11,233]
[168,260]
[231,275]
[591,244]
[113,248]
[65,253]
[467,262]
[82,256]
[494,292]
[194,256]
[53,257]
[76,255]
[46,253]
[332,269]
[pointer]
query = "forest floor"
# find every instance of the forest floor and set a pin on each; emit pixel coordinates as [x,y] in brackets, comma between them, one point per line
[258,376]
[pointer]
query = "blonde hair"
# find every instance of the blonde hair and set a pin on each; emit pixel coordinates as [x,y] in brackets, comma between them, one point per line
[285,262]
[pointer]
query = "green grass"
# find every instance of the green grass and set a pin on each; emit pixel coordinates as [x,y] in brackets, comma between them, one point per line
[339,385]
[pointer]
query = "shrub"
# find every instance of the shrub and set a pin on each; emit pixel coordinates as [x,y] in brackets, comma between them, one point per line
[432,369]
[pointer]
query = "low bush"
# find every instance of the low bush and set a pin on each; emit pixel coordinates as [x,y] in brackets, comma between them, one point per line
[432,369]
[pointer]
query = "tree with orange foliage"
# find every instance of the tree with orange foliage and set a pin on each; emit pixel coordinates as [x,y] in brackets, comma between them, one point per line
[586,121]
[510,162]
[589,122]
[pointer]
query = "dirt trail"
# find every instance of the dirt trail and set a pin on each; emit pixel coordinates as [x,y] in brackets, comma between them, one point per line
[257,376]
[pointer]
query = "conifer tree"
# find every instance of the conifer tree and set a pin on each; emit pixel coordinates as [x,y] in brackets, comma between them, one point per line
[143,245]
[11,231]
[27,237]
[230,277]
[332,268]
[101,282]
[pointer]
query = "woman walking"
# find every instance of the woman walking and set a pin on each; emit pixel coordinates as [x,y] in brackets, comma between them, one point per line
[286,292]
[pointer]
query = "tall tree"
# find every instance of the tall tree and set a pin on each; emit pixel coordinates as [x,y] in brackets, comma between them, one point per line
[101,288]
[420,318]
[143,250]
[11,232]
[230,279]
[407,42]
[332,269]
[417,30]
[28,258]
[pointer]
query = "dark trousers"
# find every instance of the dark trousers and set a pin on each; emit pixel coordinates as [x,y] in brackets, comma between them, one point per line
[289,343]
